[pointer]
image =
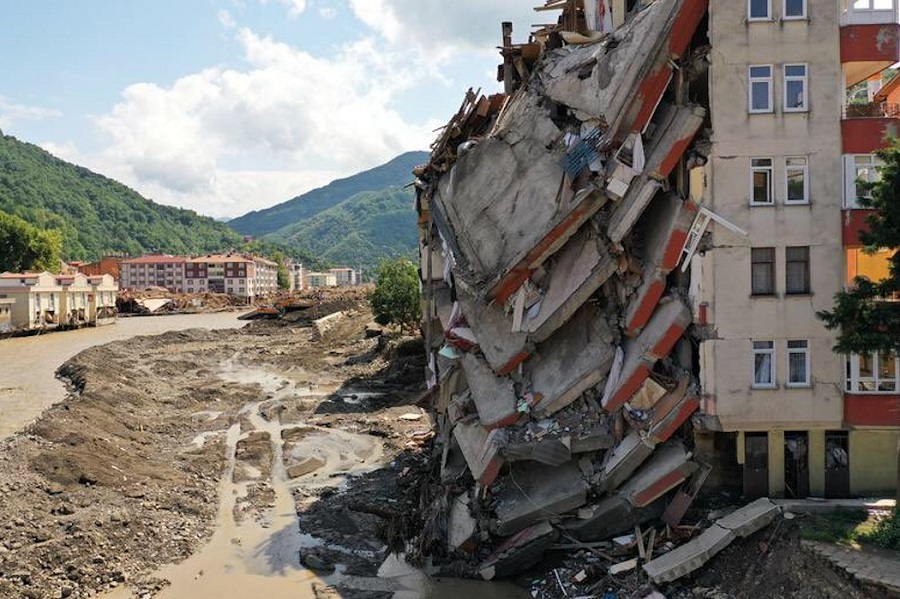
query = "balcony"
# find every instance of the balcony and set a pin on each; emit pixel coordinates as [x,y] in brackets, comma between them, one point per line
[870,37]
[871,410]
[865,127]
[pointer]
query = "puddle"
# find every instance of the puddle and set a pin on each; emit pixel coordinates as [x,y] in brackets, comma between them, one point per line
[260,558]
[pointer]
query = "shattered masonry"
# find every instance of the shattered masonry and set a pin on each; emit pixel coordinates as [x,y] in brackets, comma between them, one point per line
[552,219]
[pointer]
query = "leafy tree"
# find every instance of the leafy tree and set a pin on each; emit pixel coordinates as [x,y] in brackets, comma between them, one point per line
[284,279]
[25,247]
[396,296]
[865,320]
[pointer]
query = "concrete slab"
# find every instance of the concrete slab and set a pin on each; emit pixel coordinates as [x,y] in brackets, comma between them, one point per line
[668,323]
[641,307]
[461,525]
[611,516]
[573,360]
[690,556]
[664,228]
[673,410]
[668,467]
[507,203]
[503,349]
[675,129]
[552,452]
[624,460]
[750,518]
[576,272]
[482,454]
[635,371]
[519,552]
[534,492]
[494,396]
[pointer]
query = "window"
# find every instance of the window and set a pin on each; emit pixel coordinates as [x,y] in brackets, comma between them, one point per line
[761,175]
[796,270]
[762,271]
[798,363]
[763,364]
[796,175]
[759,10]
[872,373]
[860,170]
[760,88]
[794,9]
[795,92]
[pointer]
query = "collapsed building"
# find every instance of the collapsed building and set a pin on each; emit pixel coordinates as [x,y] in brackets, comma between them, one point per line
[563,225]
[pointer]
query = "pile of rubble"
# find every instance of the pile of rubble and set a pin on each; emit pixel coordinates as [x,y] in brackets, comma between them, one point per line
[552,220]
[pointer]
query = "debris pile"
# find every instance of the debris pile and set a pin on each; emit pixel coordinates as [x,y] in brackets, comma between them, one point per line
[552,220]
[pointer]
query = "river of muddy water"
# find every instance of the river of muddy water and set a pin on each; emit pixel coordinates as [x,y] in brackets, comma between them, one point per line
[253,558]
[28,385]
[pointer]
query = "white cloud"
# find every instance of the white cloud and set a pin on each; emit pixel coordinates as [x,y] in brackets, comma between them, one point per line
[327,12]
[226,141]
[436,26]
[11,112]
[226,20]
[296,7]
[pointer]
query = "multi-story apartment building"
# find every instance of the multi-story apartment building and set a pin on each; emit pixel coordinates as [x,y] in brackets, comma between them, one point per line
[153,271]
[344,276]
[320,279]
[797,112]
[265,276]
[44,300]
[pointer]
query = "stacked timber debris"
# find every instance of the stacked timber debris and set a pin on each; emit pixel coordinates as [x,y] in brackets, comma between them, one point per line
[552,219]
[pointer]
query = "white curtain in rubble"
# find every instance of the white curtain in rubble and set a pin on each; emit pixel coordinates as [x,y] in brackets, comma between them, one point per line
[598,15]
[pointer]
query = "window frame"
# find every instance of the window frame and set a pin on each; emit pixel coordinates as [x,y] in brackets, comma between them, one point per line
[853,382]
[804,170]
[770,171]
[800,17]
[770,81]
[770,351]
[773,272]
[793,78]
[807,290]
[751,18]
[851,174]
[807,363]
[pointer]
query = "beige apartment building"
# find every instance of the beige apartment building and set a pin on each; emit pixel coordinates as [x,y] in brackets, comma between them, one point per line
[151,271]
[32,301]
[793,90]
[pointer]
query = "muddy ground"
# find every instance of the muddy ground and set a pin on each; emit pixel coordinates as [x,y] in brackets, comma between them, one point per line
[127,474]
[124,475]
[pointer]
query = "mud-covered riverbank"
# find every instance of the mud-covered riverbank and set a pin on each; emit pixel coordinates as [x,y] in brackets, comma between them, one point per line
[167,440]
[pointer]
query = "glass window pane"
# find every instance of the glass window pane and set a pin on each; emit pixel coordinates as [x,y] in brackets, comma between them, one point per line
[760,91]
[761,71]
[865,366]
[794,94]
[795,70]
[763,344]
[883,4]
[761,161]
[797,364]
[759,9]
[793,8]
[886,365]
[796,186]
[761,187]
[762,364]
[799,161]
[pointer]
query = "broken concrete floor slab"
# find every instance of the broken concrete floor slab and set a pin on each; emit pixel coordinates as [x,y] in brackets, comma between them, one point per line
[685,559]
[535,492]
[480,450]
[752,517]
[519,552]
[494,396]
[668,467]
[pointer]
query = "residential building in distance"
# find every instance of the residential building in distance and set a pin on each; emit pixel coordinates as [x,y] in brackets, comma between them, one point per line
[265,276]
[31,301]
[320,279]
[154,270]
[73,304]
[344,276]
[102,300]
[295,275]
[6,314]
[108,265]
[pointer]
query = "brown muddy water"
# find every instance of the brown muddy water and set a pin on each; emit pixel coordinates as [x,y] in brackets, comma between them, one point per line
[28,385]
[254,558]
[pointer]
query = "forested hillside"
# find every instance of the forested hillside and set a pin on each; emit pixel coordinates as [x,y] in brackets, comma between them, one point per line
[95,214]
[353,222]
[359,231]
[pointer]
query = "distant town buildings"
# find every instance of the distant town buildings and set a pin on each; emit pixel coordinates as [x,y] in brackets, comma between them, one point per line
[236,274]
[42,300]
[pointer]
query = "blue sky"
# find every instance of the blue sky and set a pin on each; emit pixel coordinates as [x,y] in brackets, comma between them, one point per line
[227,106]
